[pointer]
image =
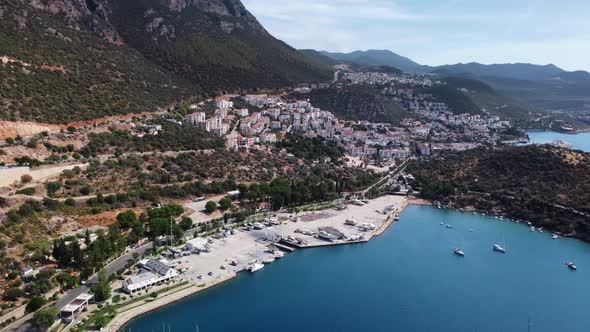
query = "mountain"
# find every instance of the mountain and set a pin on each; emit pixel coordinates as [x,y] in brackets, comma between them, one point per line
[376,58]
[318,56]
[70,60]
[542,86]
[359,102]
[519,71]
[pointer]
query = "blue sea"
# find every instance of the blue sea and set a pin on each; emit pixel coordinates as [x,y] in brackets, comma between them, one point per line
[407,279]
[579,141]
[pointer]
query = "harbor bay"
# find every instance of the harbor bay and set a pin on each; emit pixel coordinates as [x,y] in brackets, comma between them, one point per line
[579,141]
[407,279]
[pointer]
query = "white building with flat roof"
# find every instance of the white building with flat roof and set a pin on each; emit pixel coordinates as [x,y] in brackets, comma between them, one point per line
[153,272]
[75,307]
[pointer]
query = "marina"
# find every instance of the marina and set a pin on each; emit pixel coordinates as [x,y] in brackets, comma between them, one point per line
[406,272]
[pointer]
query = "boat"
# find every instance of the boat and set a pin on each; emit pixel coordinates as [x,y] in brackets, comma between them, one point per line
[458,252]
[448,226]
[571,265]
[555,236]
[254,267]
[278,254]
[327,236]
[442,223]
[258,225]
[499,248]
[350,222]
[533,228]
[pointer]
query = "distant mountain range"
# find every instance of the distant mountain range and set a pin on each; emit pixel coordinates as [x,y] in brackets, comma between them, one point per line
[544,86]
[376,58]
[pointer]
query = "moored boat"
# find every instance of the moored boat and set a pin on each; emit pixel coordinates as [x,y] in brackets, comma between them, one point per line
[499,248]
[255,267]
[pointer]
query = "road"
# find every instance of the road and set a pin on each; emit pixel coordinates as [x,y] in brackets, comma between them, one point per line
[387,178]
[114,266]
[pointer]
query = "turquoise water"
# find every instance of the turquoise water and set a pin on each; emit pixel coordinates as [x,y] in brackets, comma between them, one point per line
[405,280]
[579,141]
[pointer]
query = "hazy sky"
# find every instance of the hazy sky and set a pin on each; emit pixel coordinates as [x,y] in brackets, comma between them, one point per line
[435,32]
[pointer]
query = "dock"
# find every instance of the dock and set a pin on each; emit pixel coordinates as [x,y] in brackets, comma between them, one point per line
[283,247]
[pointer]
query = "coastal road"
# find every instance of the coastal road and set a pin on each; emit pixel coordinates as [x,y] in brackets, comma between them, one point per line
[114,266]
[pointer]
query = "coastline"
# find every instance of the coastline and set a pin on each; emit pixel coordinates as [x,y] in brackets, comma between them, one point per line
[120,320]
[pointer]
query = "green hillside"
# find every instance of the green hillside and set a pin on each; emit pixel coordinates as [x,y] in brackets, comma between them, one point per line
[106,57]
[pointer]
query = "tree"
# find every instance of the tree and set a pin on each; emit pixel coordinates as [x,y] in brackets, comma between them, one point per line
[102,290]
[127,219]
[186,223]
[35,303]
[53,187]
[101,321]
[211,206]
[9,140]
[12,294]
[45,317]
[225,203]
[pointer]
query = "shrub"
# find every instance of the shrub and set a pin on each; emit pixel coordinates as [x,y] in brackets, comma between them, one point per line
[26,191]
[26,178]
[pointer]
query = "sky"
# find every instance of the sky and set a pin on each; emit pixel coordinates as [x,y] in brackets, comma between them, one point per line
[436,32]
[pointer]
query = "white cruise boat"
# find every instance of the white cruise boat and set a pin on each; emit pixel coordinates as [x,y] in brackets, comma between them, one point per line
[255,267]
[458,252]
[499,248]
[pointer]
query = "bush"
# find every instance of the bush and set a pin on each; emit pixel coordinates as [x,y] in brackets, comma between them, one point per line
[26,178]
[27,191]
[116,298]
[154,295]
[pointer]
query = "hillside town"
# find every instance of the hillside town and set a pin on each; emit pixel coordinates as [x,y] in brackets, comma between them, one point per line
[433,128]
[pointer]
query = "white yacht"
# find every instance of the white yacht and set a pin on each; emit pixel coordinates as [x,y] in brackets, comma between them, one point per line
[458,252]
[448,226]
[255,267]
[278,254]
[555,236]
[571,265]
[327,236]
[499,248]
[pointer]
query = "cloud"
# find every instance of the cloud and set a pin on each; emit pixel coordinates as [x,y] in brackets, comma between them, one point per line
[436,31]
